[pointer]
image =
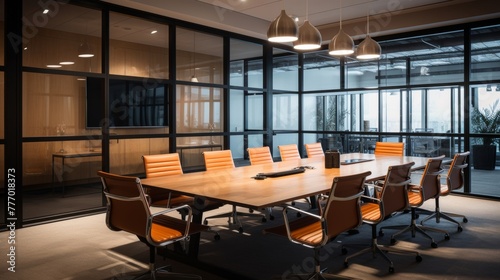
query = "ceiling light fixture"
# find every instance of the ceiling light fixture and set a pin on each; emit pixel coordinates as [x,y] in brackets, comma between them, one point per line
[369,48]
[309,36]
[341,44]
[85,51]
[193,78]
[283,28]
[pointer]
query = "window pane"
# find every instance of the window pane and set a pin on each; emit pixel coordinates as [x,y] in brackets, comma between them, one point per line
[485,48]
[199,109]
[137,47]
[321,71]
[198,55]
[246,63]
[255,118]
[392,114]
[361,74]
[285,111]
[126,154]
[439,110]
[237,110]
[53,105]
[67,33]
[285,70]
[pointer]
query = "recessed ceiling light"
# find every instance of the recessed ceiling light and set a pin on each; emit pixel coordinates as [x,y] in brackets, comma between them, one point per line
[46,11]
[154,31]
[66,62]
[54,66]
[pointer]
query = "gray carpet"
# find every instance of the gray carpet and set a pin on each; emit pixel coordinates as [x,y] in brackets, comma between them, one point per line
[85,248]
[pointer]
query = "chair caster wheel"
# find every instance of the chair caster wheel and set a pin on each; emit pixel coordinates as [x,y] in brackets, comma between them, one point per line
[393,241]
[434,245]
[391,269]
[460,229]
[240,230]
[419,258]
[344,251]
[447,237]
[217,237]
[465,220]
[250,210]
[205,222]
[346,264]
[264,220]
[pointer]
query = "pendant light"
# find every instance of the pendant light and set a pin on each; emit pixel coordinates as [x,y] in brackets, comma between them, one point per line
[193,78]
[341,44]
[85,51]
[283,28]
[309,36]
[369,48]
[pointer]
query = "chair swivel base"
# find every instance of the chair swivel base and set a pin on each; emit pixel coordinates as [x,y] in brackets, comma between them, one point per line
[438,215]
[414,228]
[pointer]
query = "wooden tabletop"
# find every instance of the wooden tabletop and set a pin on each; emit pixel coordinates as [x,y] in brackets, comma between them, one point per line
[236,186]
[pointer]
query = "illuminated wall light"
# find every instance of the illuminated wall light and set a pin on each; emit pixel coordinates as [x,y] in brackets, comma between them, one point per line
[54,66]
[154,31]
[66,62]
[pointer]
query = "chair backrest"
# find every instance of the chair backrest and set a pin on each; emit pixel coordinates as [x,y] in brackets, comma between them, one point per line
[394,194]
[260,155]
[314,150]
[455,176]
[127,208]
[389,148]
[344,198]
[218,159]
[431,178]
[289,152]
[162,165]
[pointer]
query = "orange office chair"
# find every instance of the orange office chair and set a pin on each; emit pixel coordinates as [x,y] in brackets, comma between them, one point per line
[167,165]
[428,188]
[315,231]
[289,152]
[128,210]
[393,199]
[389,148]
[454,181]
[314,150]
[164,165]
[220,160]
[259,155]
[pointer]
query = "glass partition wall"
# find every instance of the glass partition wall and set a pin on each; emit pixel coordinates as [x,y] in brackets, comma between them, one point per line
[94,100]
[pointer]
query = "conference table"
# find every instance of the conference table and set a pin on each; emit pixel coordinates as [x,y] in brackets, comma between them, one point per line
[236,186]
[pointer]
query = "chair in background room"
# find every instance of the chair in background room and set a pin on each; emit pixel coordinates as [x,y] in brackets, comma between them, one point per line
[428,188]
[424,146]
[314,150]
[389,148]
[289,152]
[128,210]
[315,231]
[393,199]
[215,160]
[454,181]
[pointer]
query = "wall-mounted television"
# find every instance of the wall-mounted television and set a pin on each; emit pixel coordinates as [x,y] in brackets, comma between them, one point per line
[132,103]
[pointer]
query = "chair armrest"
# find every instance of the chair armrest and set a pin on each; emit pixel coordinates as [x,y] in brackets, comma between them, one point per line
[372,199]
[166,211]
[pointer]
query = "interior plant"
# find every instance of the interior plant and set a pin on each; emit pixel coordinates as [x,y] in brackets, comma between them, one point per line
[486,120]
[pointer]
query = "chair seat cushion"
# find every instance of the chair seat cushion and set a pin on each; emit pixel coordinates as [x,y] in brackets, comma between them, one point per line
[306,229]
[370,212]
[415,198]
[167,228]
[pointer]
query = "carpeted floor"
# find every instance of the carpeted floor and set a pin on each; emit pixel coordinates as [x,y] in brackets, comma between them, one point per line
[84,248]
